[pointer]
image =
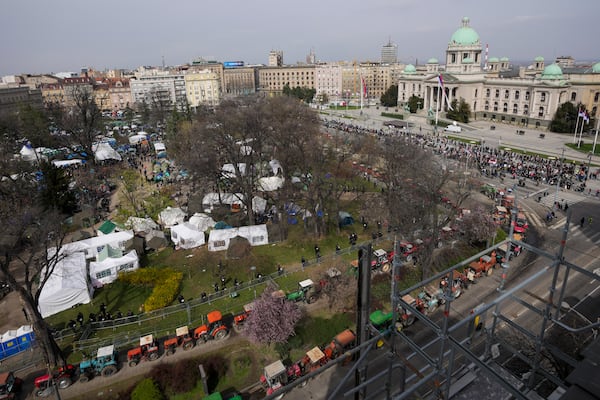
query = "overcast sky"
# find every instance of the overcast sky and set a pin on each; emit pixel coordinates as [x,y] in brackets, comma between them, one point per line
[44,36]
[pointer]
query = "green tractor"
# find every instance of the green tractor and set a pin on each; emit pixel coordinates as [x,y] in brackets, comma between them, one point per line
[308,291]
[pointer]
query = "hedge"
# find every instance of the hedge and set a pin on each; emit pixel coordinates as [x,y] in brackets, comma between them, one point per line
[165,283]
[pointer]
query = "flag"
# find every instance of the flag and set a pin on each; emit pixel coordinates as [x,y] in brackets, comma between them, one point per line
[586,117]
[441,86]
[581,113]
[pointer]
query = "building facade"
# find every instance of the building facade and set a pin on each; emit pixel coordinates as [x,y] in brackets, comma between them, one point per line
[272,80]
[526,96]
[202,88]
[389,53]
[12,98]
[238,81]
[159,88]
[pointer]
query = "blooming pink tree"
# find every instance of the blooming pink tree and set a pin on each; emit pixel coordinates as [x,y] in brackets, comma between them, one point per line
[272,319]
[477,226]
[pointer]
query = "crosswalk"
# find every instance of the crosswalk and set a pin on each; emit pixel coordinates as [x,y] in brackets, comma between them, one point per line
[576,231]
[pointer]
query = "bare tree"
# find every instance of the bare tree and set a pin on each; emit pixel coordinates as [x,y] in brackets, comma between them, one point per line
[28,246]
[477,225]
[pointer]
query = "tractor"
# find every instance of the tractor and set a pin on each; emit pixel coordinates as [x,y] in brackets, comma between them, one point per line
[240,319]
[405,317]
[215,329]
[182,338]
[146,351]
[276,375]
[429,302]
[485,264]
[307,291]
[10,386]
[104,364]
[61,378]
[312,360]
[340,343]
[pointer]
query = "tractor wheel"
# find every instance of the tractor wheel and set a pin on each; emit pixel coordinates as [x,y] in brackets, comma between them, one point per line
[188,345]
[386,267]
[64,382]
[169,352]
[43,392]
[490,271]
[200,341]
[457,292]
[153,356]
[109,370]
[409,258]
[221,334]
[133,363]
[311,299]
[410,320]
[84,378]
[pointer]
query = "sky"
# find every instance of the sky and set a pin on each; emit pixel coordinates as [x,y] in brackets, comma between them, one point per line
[51,36]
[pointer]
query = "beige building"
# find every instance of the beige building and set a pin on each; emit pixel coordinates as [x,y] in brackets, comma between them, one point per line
[239,81]
[53,93]
[202,88]
[525,96]
[271,80]
[119,93]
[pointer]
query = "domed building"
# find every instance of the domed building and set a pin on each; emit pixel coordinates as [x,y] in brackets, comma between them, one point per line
[500,92]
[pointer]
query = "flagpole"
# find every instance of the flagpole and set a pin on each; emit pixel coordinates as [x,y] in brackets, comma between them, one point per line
[596,136]
[362,88]
[580,133]
[437,105]
[576,126]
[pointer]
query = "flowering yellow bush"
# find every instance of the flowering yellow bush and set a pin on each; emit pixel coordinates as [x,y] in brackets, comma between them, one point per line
[165,283]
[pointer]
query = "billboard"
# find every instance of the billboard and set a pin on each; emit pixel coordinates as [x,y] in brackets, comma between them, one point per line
[233,64]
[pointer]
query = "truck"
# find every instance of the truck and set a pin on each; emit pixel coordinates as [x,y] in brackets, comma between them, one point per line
[214,329]
[105,364]
[182,338]
[61,378]
[146,351]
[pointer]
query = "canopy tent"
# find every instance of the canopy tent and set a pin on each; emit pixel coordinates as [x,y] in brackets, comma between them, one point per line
[201,222]
[137,139]
[171,216]
[159,146]
[186,236]
[66,286]
[66,163]
[228,170]
[276,167]
[219,239]
[141,224]
[107,271]
[155,240]
[94,245]
[344,219]
[29,154]
[259,205]
[103,151]
[210,200]
[270,184]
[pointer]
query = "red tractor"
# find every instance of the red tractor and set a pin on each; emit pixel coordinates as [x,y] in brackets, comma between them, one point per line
[340,343]
[182,339]
[240,319]
[214,329]
[61,378]
[147,351]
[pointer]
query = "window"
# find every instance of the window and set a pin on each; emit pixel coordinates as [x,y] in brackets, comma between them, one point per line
[543,97]
[453,58]
[487,92]
[125,267]
[515,108]
[486,107]
[516,95]
[219,243]
[506,94]
[596,96]
[103,274]
[573,96]
[495,106]
[527,95]
[497,93]
[541,112]
[476,92]
[257,239]
[474,106]
[505,107]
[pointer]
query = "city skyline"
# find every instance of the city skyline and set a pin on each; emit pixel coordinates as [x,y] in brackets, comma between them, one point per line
[43,37]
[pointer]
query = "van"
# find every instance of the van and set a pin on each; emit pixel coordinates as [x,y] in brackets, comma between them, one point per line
[453,128]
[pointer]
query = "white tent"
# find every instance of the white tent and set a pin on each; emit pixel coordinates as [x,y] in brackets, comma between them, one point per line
[106,271]
[186,236]
[94,245]
[158,147]
[201,222]
[212,199]
[219,239]
[104,151]
[171,216]
[270,183]
[29,154]
[66,163]
[275,166]
[138,138]
[141,224]
[228,170]
[66,287]
[259,205]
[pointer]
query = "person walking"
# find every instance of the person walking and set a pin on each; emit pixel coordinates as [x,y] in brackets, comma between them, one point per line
[581,222]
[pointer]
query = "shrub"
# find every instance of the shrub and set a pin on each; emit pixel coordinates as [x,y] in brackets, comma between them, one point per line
[176,378]
[147,389]
[165,283]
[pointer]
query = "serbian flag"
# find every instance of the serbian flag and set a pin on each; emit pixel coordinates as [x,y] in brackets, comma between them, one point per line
[586,117]
[441,86]
[581,113]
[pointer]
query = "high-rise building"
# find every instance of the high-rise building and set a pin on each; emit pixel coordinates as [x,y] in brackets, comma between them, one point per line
[389,53]
[275,58]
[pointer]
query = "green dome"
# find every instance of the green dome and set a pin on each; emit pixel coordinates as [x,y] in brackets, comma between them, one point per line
[596,68]
[494,59]
[539,58]
[465,35]
[433,61]
[410,69]
[552,71]
[504,59]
